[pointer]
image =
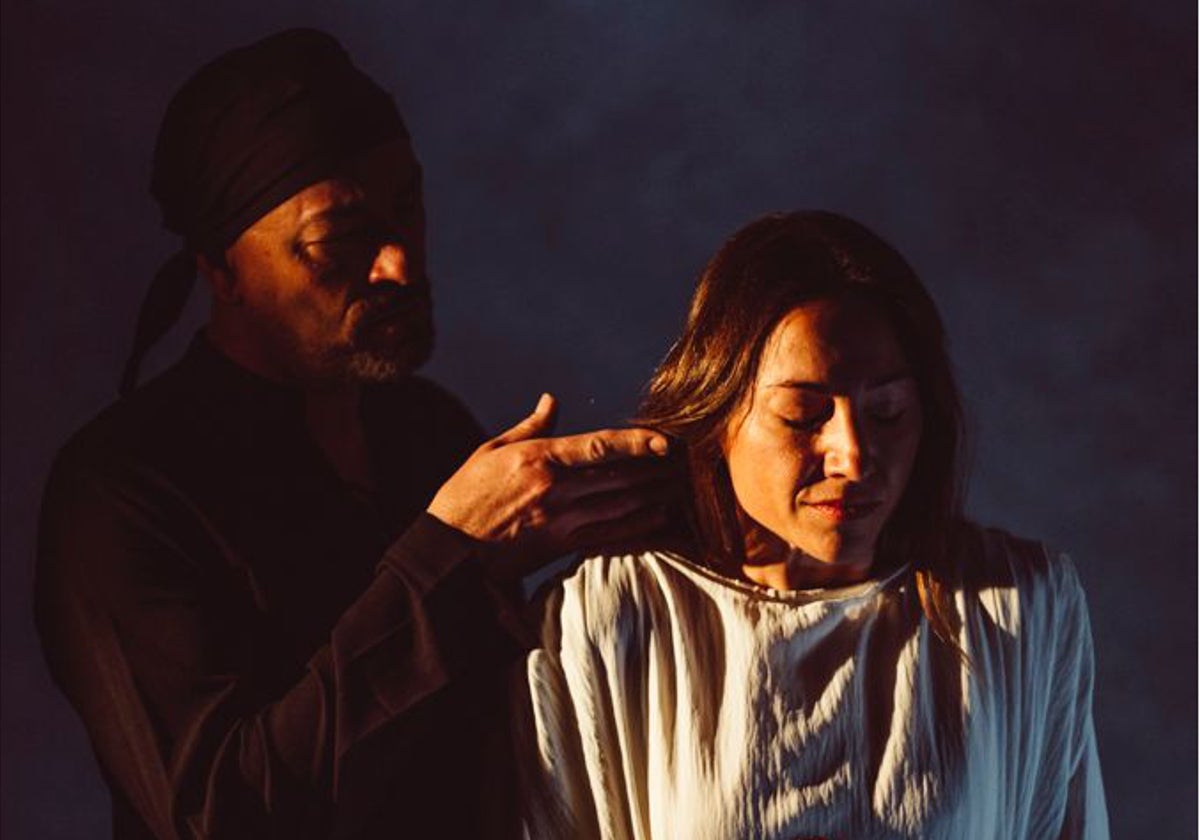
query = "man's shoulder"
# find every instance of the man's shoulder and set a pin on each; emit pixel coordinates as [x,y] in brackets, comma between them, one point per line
[120,477]
[162,413]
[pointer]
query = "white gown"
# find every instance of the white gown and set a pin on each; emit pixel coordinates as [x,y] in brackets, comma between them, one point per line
[669,702]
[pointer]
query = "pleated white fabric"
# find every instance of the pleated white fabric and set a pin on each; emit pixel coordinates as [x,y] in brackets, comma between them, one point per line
[669,702]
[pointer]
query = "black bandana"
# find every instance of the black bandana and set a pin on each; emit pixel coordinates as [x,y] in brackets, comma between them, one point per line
[245,133]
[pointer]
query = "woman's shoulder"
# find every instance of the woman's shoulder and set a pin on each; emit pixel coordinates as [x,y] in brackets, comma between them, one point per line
[997,557]
[605,580]
[609,594]
[1030,579]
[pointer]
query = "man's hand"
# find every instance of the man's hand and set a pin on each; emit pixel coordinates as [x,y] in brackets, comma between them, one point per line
[536,498]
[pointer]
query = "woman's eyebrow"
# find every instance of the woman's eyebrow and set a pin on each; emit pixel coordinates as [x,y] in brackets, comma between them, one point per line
[898,376]
[800,385]
[824,388]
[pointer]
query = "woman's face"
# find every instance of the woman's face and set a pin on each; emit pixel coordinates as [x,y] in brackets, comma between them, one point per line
[821,449]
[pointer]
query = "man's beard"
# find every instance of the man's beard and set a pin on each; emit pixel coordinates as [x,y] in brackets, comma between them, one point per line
[388,335]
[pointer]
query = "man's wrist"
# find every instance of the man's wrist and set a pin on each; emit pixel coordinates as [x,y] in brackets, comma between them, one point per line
[428,551]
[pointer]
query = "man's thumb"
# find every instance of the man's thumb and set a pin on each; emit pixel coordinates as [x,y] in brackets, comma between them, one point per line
[537,424]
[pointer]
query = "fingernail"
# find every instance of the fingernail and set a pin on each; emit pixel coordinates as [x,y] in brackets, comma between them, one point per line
[659,445]
[543,402]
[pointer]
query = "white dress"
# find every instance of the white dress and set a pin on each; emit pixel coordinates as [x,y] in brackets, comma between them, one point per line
[669,702]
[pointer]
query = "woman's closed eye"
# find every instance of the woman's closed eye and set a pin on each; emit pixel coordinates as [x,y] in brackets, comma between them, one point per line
[889,403]
[804,424]
[805,412]
[886,412]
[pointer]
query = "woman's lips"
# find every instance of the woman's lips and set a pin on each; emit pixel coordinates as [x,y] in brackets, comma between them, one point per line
[840,510]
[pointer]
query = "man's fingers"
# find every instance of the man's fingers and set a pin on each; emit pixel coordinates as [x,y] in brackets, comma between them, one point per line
[594,448]
[603,508]
[639,529]
[580,482]
[537,424]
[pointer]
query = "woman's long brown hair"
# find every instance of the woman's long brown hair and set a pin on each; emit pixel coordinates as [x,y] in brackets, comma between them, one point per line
[764,271]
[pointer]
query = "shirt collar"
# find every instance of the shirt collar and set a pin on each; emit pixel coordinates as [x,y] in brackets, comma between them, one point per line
[245,396]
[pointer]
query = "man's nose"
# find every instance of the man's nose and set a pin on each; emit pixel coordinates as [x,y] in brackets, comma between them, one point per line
[847,453]
[391,265]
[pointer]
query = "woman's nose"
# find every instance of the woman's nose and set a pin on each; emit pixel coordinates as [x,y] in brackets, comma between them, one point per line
[846,453]
[391,265]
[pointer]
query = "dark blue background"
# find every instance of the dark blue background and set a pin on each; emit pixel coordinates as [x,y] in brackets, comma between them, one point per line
[1035,161]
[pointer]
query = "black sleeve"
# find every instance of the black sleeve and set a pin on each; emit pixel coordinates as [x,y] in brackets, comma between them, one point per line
[145,642]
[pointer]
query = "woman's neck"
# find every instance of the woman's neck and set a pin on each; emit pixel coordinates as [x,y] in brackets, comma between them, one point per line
[774,563]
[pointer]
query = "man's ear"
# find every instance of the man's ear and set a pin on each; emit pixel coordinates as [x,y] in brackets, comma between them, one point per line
[222,281]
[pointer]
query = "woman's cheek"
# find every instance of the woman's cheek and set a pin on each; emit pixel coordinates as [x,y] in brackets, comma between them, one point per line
[789,465]
[907,439]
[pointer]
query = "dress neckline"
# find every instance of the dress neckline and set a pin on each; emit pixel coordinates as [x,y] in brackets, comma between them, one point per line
[758,592]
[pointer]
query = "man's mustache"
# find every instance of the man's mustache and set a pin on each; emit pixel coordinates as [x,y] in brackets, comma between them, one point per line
[386,301]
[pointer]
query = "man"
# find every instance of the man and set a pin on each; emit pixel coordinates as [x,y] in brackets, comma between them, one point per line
[276,581]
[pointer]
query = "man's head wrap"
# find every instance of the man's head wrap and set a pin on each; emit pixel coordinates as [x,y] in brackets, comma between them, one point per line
[244,134]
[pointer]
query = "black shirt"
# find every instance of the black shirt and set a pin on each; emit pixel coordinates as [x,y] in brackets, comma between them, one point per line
[258,649]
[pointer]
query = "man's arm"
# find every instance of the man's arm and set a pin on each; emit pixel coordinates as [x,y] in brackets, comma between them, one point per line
[162,658]
[155,651]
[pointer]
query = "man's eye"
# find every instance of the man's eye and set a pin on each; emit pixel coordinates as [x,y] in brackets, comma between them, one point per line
[335,248]
[338,238]
[319,253]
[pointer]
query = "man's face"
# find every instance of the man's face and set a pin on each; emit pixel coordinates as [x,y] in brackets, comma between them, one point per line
[330,285]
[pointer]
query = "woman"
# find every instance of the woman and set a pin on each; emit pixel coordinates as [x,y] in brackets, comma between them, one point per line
[834,652]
